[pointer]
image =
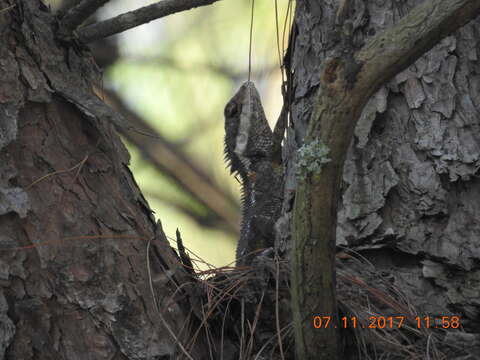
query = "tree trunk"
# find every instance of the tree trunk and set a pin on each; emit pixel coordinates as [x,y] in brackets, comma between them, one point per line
[409,194]
[74,228]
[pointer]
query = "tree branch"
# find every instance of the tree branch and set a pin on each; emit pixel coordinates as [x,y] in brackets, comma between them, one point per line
[218,69]
[79,13]
[395,49]
[175,164]
[137,17]
[347,84]
[66,6]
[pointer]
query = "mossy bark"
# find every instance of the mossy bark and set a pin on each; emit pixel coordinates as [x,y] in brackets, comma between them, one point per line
[345,87]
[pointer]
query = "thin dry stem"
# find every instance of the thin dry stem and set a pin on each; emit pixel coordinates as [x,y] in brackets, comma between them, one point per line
[162,319]
[137,17]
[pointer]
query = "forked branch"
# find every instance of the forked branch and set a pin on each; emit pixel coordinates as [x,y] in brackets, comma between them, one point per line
[345,88]
[77,14]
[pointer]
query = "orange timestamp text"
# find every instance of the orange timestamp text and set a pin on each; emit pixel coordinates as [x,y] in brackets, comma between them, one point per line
[391,322]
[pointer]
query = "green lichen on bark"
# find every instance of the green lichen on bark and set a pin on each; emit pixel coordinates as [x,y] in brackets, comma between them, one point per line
[311,158]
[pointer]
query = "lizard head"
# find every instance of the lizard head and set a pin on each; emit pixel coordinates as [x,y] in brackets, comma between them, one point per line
[248,137]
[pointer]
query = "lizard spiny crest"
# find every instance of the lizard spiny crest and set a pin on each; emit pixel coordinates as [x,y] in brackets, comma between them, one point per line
[248,151]
[248,137]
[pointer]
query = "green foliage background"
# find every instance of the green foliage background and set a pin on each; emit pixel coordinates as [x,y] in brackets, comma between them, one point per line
[178,73]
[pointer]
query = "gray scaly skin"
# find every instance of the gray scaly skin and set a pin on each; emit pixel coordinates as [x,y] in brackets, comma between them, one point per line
[249,151]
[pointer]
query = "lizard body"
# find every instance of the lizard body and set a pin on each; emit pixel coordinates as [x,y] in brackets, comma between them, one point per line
[252,153]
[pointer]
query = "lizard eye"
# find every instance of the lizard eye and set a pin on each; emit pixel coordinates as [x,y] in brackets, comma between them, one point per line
[231,109]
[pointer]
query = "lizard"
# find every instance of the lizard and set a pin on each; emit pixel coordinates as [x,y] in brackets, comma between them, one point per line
[252,153]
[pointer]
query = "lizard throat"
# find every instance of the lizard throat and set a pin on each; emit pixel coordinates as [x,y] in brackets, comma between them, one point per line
[242,138]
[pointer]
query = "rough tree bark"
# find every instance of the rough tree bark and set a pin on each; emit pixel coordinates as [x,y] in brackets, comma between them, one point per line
[74,227]
[396,205]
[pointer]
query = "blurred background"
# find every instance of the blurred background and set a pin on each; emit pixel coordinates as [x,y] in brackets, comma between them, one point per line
[172,78]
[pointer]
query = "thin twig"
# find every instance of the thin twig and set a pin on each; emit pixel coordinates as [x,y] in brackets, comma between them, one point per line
[137,17]
[254,326]
[285,329]
[79,13]
[7,8]
[66,6]
[250,42]
[218,69]
[277,308]
[223,325]
[79,165]
[278,39]
[172,161]
[162,319]
[242,336]
[213,307]
[208,334]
